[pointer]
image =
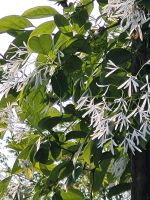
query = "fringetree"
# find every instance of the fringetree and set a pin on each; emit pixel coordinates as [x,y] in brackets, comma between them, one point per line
[75,99]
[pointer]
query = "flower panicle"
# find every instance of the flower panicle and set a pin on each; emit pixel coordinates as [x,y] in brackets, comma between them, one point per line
[110,117]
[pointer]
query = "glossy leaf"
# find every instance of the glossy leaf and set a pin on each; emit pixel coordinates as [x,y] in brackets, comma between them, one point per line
[49,122]
[59,83]
[87,152]
[40,44]
[14,22]
[39,12]
[44,28]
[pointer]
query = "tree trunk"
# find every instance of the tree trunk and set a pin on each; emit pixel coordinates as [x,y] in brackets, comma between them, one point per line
[140,162]
[140,169]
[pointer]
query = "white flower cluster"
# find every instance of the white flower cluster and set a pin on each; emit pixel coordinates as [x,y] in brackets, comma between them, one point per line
[129,12]
[18,72]
[127,116]
[16,127]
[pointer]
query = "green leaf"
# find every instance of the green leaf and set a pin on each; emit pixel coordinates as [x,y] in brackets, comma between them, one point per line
[70,109]
[77,171]
[39,12]
[72,194]
[99,175]
[45,28]
[25,153]
[59,83]
[75,135]
[33,105]
[37,195]
[40,44]
[57,196]
[43,153]
[119,55]
[118,189]
[76,44]
[72,64]
[49,122]
[28,173]
[80,17]
[88,4]
[61,171]
[14,22]
[99,44]
[41,60]
[46,167]
[60,39]
[83,29]
[97,183]
[62,23]
[66,170]
[55,150]
[3,186]
[87,152]
[9,99]
[18,146]
[146,4]
[53,112]
[99,155]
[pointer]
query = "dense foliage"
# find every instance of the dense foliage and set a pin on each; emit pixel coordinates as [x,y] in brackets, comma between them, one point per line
[75,99]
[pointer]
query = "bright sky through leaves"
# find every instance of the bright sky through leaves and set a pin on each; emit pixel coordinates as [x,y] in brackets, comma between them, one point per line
[17,7]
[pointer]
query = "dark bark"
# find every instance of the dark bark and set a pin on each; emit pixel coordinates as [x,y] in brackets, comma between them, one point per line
[140,162]
[140,170]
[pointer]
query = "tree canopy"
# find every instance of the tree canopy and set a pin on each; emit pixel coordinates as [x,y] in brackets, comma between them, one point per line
[75,98]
